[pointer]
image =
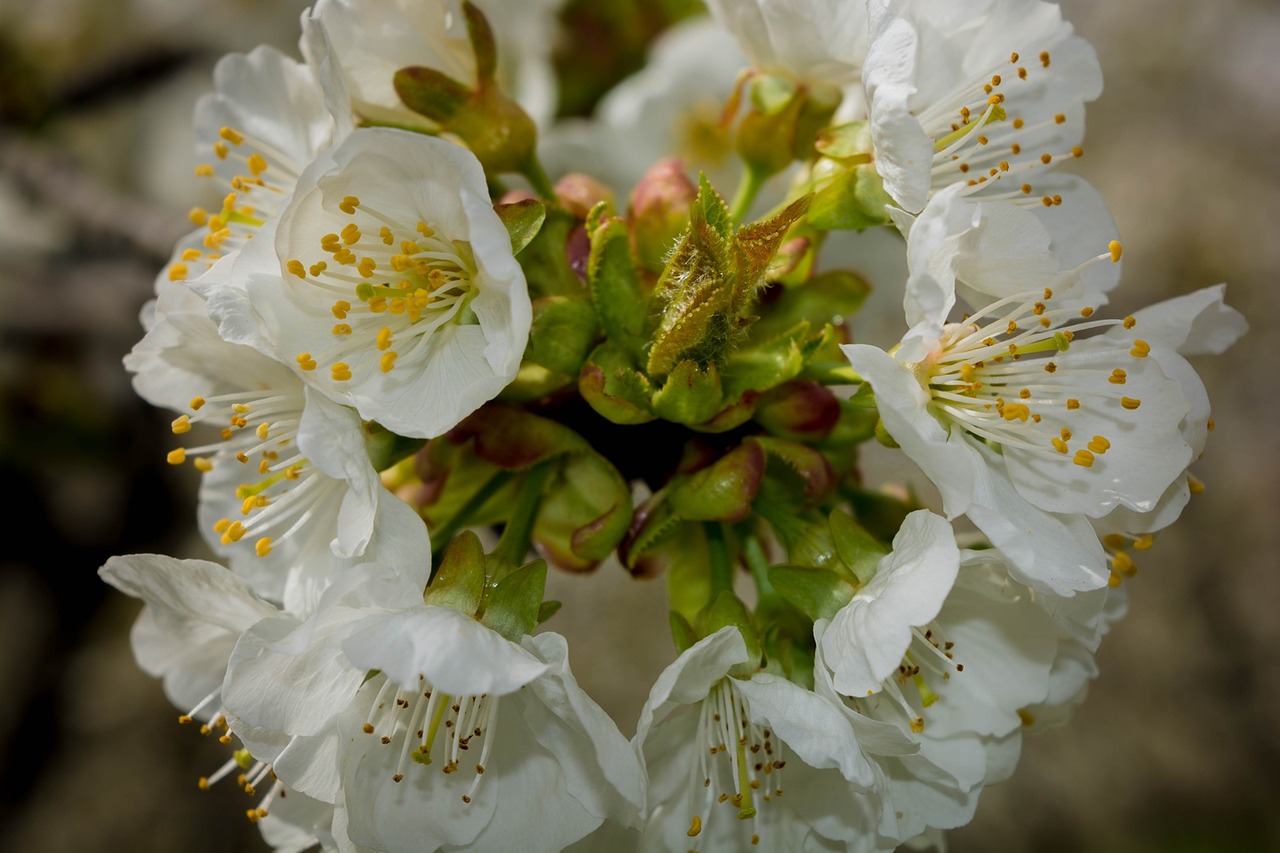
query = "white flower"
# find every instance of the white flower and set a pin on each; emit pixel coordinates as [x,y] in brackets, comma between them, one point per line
[264,122]
[195,612]
[670,108]
[1024,430]
[987,95]
[288,493]
[1199,323]
[817,42]
[361,45]
[980,251]
[456,720]
[736,762]
[951,668]
[391,285]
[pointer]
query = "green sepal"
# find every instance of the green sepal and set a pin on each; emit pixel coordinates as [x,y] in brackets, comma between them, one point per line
[460,578]
[850,143]
[850,199]
[723,491]
[651,522]
[483,43]
[534,382]
[523,220]
[799,410]
[544,261]
[854,426]
[884,437]
[829,297]
[816,476]
[691,395]
[880,514]
[615,291]
[818,593]
[385,448]
[728,611]
[770,363]
[431,93]
[858,549]
[514,439]
[770,94]
[732,416]
[614,388]
[562,334]
[548,609]
[513,605]
[585,513]
[681,632]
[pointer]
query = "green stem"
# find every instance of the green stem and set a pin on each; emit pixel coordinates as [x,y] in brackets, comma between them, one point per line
[517,535]
[831,373]
[758,563]
[443,534]
[748,188]
[721,564]
[537,177]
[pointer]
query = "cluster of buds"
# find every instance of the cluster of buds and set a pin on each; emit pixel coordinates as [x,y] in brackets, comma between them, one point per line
[417,374]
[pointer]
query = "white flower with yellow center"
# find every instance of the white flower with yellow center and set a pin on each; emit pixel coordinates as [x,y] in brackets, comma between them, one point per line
[361,45]
[1031,420]
[263,124]
[752,762]
[389,284]
[989,96]
[288,495]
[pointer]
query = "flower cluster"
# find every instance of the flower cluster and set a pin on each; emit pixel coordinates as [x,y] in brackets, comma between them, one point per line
[398,336]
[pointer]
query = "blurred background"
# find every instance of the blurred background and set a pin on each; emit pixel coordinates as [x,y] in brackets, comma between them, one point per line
[1176,748]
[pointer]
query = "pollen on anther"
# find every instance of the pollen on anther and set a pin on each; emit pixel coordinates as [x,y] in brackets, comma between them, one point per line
[305,361]
[1026,189]
[1044,58]
[1117,377]
[1073,403]
[349,204]
[204,170]
[1083,458]
[387,362]
[1130,403]
[1086,312]
[180,424]
[1116,250]
[1059,445]
[176,456]
[340,371]
[1098,444]
[1077,152]
[384,338]
[296,268]
[230,136]
[202,465]
[1046,158]
[263,546]
[1141,349]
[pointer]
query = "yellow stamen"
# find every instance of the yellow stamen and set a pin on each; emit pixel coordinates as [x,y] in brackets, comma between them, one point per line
[176,457]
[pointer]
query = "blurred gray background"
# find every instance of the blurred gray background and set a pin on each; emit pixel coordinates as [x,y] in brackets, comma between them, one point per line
[1175,749]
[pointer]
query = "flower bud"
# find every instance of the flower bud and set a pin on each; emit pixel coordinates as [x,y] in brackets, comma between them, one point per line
[802,411]
[659,212]
[579,193]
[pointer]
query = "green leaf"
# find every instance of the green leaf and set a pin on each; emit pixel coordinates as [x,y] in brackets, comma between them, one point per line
[459,581]
[711,208]
[753,249]
[858,549]
[523,220]
[431,93]
[691,395]
[818,593]
[563,332]
[513,605]
[615,291]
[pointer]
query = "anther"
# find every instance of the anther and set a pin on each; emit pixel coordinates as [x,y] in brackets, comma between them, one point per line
[1141,349]
[1116,251]
[1083,458]
[305,361]
[231,136]
[1117,377]
[349,204]
[180,424]
[1130,403]
[176,457]
[340,371]
[263,546]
